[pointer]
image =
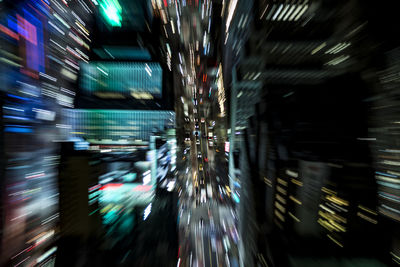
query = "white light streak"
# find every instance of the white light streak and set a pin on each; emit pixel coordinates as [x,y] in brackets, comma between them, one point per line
[295,12]
[277,12]
[301,13]
[51,78]
[148,71]
[257,75]
[289,12]
[226,38]
[244,22]
[337,60]
[283,12]
[55,27]
[172,26]
[265,10]
[315,50]
[231,11]
[147,212]
[61,20]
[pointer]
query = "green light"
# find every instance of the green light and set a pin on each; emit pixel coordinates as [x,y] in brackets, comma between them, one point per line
[111,11]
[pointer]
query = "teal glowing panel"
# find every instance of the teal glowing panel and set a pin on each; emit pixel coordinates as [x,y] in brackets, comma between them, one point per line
[117,125]
[123,53]
[122,80]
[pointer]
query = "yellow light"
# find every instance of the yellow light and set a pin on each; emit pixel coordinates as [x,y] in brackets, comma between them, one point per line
[297,182]
[338,226]
[328,191]
[338,200]
[267,181]
[280,216]
[282,182]
[335,241]
[280,207]
[281,199]
[365,217]
[395,256]
[294,217]
[82,27]
[367,210]
[281,190]
[326,225]
[331,217]
[295,200]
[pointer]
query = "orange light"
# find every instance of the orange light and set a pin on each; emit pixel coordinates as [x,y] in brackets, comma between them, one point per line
[9,32]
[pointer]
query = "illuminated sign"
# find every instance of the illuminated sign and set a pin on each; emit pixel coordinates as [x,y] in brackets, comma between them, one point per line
[121,126]
[131,194]
[226,146]
[119,80]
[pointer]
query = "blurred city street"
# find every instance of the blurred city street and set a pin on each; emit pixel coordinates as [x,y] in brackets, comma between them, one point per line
[199,133]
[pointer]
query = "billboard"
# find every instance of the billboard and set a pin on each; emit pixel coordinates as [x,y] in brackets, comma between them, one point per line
[122,80]
[166,165]
[227,147]
[121,126]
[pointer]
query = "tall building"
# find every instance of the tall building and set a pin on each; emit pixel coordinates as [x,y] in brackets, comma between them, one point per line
[40,43]
[303,136]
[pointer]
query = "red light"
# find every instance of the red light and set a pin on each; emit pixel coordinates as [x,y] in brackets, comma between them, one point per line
[94,188]
[111,186]
[9,32]
[29,73]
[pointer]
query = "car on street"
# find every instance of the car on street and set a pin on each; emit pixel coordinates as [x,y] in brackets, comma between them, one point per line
[187,136]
